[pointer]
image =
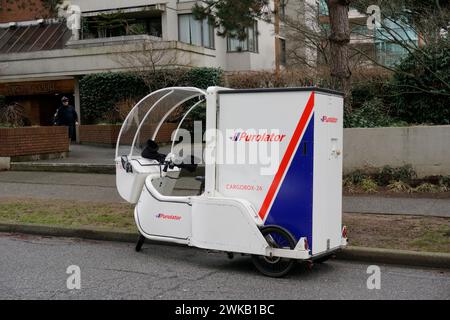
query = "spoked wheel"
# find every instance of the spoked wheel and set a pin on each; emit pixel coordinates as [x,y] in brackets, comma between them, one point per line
[277,237]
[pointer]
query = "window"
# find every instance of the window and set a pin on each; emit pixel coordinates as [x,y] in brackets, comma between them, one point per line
[282,52]
[195,32]
[323,8]
[389,53]
[283,4]
[248,44]
[115,25]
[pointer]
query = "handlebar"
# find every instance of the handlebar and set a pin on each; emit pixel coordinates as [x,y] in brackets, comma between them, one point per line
[169,164]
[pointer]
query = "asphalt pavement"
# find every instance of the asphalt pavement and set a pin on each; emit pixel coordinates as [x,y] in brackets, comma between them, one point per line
[35,268]
[72,186]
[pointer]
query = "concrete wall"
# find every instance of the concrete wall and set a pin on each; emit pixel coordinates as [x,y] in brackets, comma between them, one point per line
[426,148]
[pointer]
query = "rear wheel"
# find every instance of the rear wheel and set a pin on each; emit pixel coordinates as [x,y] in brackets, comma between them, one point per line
[277,237]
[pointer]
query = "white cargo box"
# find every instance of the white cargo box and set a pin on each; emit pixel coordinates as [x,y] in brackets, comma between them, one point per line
[302,130]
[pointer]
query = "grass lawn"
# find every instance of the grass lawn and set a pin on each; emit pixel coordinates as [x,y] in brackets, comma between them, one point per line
[368,230]
[398,232]
[77,214]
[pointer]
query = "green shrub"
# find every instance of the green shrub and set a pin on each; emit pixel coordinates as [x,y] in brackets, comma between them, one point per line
[356,177]
[368,84]
[204,77]
[385,176]
[371,114]
[421,86]
[427,188]
[388,174]
[444,183]
[368,185]
[405,173]
[399,186]
[101,93]
[196,77]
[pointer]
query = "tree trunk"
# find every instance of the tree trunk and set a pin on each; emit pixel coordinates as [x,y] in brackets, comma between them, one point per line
[339,41]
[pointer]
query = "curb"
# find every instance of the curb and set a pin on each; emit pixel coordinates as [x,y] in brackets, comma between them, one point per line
[64,167]
[401,257]
[81,168]
[90,234]
[363,254]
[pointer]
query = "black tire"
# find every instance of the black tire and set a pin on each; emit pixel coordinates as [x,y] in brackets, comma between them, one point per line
[140,243]
[276,267]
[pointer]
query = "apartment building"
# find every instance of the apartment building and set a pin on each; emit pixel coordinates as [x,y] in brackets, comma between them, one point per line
[378,42]
[42,57]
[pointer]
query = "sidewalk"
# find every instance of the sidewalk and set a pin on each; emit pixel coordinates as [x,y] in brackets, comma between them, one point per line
[409,206]
[83,154]
[81,159]
[92,187]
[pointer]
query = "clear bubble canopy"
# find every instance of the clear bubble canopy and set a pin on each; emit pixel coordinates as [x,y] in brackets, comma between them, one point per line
[148,116]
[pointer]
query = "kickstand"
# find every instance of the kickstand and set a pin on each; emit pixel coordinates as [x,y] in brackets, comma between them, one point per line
[139,243]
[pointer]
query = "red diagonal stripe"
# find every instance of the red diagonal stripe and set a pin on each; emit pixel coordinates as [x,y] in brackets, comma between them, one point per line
[287,156]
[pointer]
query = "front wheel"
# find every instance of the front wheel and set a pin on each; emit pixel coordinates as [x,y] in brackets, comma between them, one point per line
[276,237]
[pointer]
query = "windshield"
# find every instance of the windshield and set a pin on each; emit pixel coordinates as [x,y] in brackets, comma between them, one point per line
[148,115]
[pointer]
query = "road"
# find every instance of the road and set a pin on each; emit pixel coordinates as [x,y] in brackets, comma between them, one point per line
[59,185]
[72,186]
[35,268]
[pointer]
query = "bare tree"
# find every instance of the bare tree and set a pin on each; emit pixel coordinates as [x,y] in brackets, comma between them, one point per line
[151,55]
[426,20]
[410,29]
[339,45]
[307,39]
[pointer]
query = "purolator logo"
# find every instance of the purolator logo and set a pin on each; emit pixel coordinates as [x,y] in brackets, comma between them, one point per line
[167,216]
[264,137]
[328,119]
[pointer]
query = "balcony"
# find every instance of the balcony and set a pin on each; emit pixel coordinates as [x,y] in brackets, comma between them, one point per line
[88,56]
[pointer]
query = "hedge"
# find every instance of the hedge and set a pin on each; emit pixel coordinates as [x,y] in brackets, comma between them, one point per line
[101,92]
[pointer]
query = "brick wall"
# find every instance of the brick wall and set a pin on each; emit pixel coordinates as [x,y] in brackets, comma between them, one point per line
[107,134]
[21,10]
[33,141]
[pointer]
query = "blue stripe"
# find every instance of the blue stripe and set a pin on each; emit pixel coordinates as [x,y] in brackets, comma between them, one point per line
[292,207]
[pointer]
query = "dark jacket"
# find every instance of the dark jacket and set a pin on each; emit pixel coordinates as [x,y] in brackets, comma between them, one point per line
[66,116]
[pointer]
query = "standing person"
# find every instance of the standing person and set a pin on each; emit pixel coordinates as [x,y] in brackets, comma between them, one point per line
[67,116]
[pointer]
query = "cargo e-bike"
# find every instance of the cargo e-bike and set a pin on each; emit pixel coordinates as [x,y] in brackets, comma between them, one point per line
[284,209]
